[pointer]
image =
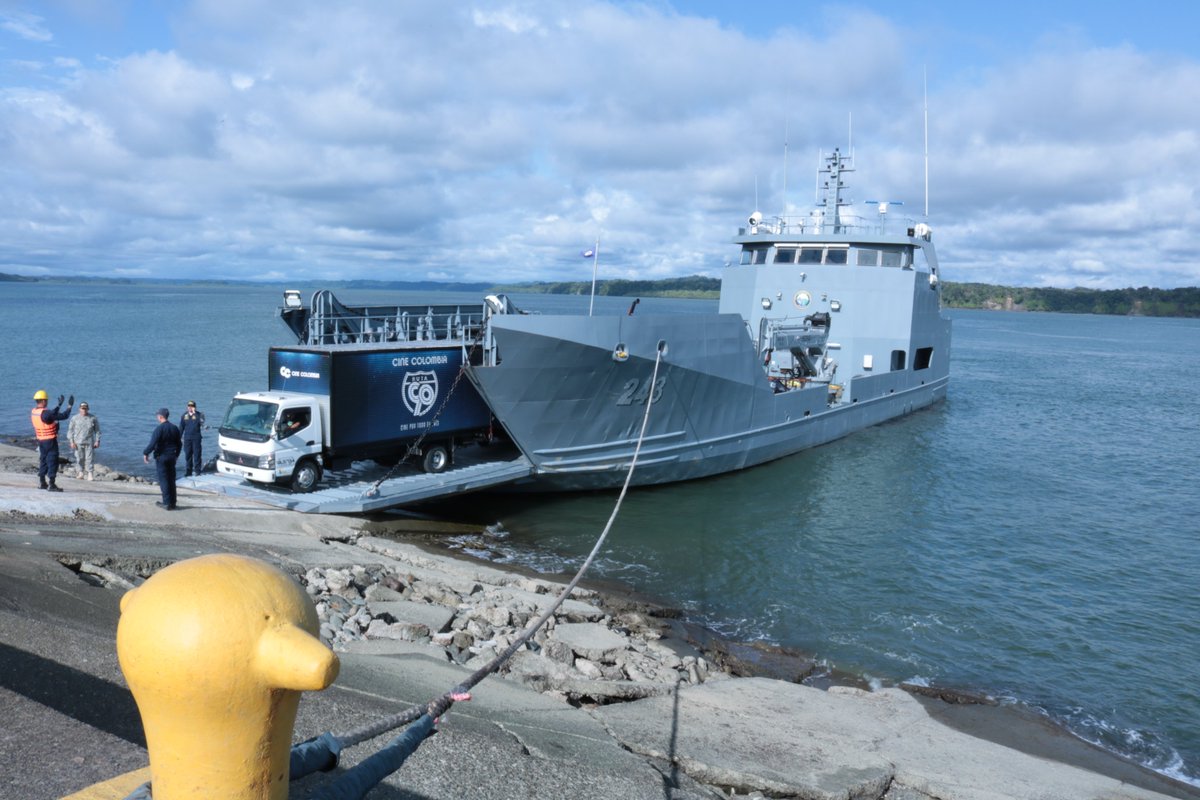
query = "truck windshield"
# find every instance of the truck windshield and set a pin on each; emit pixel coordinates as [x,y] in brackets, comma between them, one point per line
[252,420]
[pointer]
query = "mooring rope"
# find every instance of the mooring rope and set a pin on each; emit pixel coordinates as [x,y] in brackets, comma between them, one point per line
[439,705]
[322,752]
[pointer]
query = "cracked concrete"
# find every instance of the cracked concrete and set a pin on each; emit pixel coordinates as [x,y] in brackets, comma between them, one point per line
[59,683]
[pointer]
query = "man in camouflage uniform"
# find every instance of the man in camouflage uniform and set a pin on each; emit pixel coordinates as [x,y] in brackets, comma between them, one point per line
[84,436]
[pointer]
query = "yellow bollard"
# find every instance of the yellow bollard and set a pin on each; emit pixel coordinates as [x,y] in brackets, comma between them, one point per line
[216,651]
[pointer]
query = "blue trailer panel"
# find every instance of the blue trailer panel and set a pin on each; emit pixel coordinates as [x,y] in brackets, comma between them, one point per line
[382,396]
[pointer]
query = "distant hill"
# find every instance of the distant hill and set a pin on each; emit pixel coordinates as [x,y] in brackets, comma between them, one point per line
[1144,301]
[1138,302]
[347,284]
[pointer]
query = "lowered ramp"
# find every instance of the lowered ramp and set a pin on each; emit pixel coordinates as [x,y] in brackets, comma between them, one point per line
[345,492]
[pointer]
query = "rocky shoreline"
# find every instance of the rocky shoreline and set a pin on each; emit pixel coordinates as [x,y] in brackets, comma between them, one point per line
[636,668]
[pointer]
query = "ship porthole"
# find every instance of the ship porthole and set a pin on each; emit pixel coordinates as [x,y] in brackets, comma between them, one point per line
[802,299]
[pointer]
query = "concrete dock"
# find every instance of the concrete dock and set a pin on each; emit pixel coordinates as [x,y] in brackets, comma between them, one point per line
[69,720]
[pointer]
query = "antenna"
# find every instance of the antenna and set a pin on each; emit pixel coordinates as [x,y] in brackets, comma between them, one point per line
[817,184]
[925,80]
[785,155]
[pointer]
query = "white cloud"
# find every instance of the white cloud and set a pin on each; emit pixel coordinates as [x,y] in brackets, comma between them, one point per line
[26,26]
[507,19]
[367,139]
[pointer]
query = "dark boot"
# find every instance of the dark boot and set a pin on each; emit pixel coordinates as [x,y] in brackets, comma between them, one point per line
[42,482]
[53,488]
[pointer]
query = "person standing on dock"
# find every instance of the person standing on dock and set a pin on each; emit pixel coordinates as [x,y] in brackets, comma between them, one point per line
[45,428]
[165,444]
[83,434]
[191,426]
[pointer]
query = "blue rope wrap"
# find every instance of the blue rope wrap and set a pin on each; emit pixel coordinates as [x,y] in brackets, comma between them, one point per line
[320,754]
[356,782]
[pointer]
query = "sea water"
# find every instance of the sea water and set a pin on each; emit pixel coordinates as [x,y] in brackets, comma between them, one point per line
[1034,537]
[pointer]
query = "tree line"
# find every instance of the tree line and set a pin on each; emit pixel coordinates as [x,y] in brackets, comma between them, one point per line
[1143,301]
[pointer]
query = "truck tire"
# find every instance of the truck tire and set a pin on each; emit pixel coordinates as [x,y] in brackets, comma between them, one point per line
[436,459]
[306,477]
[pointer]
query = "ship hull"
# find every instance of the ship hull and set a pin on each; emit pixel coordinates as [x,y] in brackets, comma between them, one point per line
[575,409]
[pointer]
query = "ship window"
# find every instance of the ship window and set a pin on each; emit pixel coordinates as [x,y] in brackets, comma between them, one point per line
[892,258]
[923,358]
[785,255]
[898,360]
[867,257]
[836,256]
[810,255]
[754,255]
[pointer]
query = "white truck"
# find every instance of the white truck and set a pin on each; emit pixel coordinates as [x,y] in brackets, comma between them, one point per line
[327,406]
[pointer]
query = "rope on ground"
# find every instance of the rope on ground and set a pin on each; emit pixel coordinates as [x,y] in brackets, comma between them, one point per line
[439,705]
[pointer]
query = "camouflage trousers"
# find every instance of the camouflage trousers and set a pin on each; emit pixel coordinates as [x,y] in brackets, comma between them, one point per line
[83,460]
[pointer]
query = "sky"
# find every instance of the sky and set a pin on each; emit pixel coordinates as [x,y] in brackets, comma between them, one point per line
[496,141]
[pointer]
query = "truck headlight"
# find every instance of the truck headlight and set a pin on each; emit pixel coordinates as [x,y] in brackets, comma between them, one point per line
[267,461]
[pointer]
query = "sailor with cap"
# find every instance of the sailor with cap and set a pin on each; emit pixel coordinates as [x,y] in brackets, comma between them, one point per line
[191,425]
[165,444]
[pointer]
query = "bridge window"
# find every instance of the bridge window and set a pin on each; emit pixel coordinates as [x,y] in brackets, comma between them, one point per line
[811,255]
[893,258]
[867,257]
[754,255]
[785,255]
[836,255]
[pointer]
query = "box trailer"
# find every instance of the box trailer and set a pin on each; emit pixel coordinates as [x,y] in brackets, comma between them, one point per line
[327,406]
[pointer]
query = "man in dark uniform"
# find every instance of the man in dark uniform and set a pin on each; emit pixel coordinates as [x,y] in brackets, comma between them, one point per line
[45,428]
[164,444]
[191,424]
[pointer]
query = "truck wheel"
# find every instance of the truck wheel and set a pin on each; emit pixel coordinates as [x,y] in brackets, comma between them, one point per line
[307,476]
[437,458]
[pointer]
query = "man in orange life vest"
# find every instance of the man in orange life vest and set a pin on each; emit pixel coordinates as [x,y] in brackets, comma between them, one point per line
[45,427]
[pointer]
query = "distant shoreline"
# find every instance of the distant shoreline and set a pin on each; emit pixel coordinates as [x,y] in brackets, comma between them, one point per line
[1144,301]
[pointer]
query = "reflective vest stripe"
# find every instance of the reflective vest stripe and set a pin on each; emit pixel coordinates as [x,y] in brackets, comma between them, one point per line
[44,430]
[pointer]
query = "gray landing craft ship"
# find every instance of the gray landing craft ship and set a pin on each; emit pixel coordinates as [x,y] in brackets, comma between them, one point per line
[829,323]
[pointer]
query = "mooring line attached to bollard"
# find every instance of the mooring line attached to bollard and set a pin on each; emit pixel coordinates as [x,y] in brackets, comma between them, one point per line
[438,706]
[322,753]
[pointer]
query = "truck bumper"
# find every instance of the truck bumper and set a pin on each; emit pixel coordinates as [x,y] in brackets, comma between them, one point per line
[249,473]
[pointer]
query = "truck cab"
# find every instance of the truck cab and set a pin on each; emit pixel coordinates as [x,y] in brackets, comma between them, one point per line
[273,437]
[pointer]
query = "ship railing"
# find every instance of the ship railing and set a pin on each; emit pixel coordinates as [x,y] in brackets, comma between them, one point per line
[818,224]
[331,322]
